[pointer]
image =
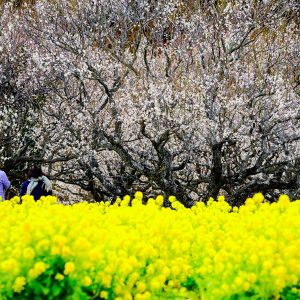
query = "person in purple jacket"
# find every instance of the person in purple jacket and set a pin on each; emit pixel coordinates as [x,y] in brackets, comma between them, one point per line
[4,184]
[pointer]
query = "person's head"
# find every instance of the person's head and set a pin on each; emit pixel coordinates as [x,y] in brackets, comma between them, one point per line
[34,172]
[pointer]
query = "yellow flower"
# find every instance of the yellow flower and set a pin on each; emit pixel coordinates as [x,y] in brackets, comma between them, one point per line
[69,268]
[55,250]
[249,202]
[267,265]
[284,200]
[172,199]
[87,281]
[246,286]
[125,268]
[9,265]
[159,200]
[238,281]
[138,296]
[118,201]
[138,195]
[175,270]
[106,281]
[65,251]
[135,202]
[104,294]
[155,284]
[210,201]
[147,295]
[42,245]
[28,253]
[252,277]
[19,284]
[141,286]
[258,198]
[38,268]
[151,201]
[235,209]
[125,201]
[221,198]
[59,276]
[127,296]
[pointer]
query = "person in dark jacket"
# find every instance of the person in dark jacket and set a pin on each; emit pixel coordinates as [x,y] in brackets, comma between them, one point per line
[37,184]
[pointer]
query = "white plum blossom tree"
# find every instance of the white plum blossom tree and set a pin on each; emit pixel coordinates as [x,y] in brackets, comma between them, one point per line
[187,98]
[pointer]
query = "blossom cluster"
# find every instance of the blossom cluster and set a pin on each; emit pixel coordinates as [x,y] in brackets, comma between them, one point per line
[152,248]
[190,97]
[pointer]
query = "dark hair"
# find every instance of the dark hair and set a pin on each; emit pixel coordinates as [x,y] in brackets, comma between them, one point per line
[35,172]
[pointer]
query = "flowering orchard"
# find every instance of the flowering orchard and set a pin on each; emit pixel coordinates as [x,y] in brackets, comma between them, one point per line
[185,98]
[138,249]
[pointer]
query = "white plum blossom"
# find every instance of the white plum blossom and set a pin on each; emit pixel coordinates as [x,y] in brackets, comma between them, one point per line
[161,96]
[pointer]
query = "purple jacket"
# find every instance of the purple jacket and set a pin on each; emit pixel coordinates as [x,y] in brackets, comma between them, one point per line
[4,184]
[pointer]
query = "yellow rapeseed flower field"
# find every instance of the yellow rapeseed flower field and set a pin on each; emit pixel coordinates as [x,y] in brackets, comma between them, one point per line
[130,250]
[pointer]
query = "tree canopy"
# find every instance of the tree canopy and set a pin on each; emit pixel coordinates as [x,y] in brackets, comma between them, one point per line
[188,98]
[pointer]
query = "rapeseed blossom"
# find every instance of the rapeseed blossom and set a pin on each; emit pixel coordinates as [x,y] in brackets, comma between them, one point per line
[69,268]
[150,249]
[19,284]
